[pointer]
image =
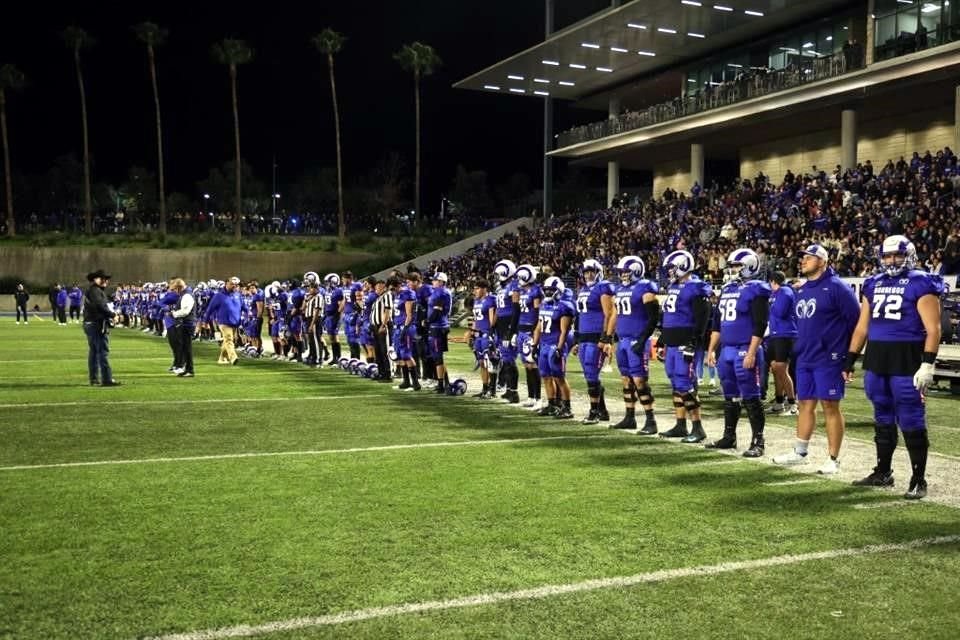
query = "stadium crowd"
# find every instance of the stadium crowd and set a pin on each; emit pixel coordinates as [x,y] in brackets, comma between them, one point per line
[848,212]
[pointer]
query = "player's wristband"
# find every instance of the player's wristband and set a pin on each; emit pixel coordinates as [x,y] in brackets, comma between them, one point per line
[606,339]
[929,357]
[852,357]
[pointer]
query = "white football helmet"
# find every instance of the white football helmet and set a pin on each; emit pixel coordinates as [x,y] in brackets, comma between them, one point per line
[679,264]
[332,280]
[526,274]
[903,252]
[594,266]
[311,277]
[553,288]
[743,264]
[631,269]
[505,269]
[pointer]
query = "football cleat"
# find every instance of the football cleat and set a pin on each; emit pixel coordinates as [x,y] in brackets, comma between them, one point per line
[756,448]
[697,435]
[918,489]
[563,413]
[676,432]
[592,418]
[628,422]
[649,428]
[876,479]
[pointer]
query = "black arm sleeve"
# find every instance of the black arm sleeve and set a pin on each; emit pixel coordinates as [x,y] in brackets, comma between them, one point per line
[760,312]
[514,318]
[653,319]
[576,329]
[701,317]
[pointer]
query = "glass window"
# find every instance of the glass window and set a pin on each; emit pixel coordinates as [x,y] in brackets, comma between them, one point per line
[886,29]
[907,22]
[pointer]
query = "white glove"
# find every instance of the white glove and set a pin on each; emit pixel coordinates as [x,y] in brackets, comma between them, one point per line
[923,378]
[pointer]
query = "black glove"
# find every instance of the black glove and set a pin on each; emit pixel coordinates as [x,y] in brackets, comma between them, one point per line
[688,351]
[638,347]
[556,356]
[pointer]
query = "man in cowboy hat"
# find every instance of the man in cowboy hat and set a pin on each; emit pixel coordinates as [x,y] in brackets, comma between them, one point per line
[98,317]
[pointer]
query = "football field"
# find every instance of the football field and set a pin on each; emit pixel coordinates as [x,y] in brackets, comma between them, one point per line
[270,500]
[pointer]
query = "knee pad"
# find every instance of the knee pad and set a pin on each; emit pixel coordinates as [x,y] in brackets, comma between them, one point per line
[677,401]
[645,394]
[690,400]
[594,389]
[629,395]
[886,435]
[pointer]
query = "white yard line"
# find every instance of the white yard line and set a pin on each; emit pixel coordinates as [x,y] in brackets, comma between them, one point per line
[787,483]
[887,504]
[317,452]
[548,591]
[100,403]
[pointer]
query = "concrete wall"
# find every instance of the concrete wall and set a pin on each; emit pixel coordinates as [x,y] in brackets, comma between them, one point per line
[878,141]
[674,174]
[71,264]
[460,247]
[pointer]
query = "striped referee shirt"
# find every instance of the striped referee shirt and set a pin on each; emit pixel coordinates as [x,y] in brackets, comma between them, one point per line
[312,306]
[382,309]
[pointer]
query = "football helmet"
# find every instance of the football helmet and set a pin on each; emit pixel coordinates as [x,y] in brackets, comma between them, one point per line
[457,387]
[373,371]
[362,370]
[505,269]
[592,266]
[679,264]
[631,269]
[553,287]
[331,280]
[311,277]
[902,251]
[743,264]
[526,274]
[392,353]
[344,363]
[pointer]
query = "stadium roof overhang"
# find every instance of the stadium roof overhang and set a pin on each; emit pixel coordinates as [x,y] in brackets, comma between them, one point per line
[932,73]
[639,38]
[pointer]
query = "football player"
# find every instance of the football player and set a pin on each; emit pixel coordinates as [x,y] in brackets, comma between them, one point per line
[508,319]
[637,314]
[350,330]
[827,312]
[686,314]
[333,302]
[481,337]
[405,331]
[593,334]
[441,301]
[530,299]
[741,322]
[779,347]
[551,341]
[900,322]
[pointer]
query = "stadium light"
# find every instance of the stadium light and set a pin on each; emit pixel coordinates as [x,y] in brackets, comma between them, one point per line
[566,83]
[666,30]
[541,80]
[619,50]
[574,65]
[722,7]
[692,3]
[589,45]
[541,93]
[634,25]
[552,63]
[750,12]
[492,87]
[647,53]
[695,35]
[513,90]
[512,77]
[605,69]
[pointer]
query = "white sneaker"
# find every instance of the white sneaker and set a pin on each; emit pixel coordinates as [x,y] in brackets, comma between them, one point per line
[529,403]
[177,371]
[790,458]
[830,468]
[775,409]
[791,410]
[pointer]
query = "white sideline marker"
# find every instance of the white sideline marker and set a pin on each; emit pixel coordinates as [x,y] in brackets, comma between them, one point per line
[787,483]
[887,504]
[99,403]
[277,454]
[547,591]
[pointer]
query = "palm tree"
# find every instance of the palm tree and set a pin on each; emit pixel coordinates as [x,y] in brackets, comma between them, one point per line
[233,52]
[76,39]
[154,36]
[421,59]
[329,43]
[13,79]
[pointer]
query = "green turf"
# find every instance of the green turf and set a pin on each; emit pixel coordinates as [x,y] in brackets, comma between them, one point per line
[123,551]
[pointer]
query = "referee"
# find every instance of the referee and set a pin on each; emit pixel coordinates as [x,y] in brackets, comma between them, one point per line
[312,305]
[380,315]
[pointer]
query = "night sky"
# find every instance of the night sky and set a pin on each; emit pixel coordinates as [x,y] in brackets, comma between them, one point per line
[284,93]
